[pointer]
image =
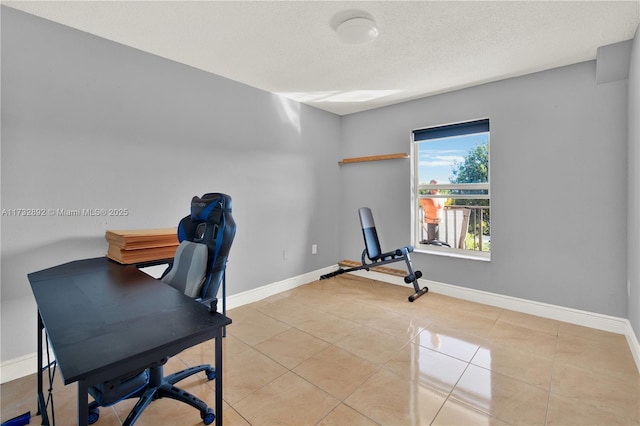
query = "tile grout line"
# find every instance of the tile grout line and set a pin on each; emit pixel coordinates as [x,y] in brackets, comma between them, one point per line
[453,387]
[553,365]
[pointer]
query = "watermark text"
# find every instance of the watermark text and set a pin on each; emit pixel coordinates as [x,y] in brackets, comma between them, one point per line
[62,212]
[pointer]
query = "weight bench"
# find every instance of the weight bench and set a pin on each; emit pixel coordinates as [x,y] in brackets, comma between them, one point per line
[376,257]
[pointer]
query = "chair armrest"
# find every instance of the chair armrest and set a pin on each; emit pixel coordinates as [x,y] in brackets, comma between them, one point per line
[211,303]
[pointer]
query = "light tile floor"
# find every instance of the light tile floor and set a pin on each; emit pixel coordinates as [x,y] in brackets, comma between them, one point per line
[354,351]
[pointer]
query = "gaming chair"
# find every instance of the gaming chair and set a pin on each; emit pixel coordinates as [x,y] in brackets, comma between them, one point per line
[198,270]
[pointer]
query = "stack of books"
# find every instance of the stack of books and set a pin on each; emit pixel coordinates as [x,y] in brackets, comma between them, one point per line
[141,245]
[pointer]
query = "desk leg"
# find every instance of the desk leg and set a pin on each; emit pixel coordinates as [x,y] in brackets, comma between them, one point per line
[83,404]
[218,354]
[42,406]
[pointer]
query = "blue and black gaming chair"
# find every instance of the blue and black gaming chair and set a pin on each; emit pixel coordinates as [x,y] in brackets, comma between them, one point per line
[376,257]
[210,223]
[198,270]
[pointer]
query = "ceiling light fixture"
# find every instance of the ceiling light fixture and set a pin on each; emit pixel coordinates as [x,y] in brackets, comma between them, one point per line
[357,31]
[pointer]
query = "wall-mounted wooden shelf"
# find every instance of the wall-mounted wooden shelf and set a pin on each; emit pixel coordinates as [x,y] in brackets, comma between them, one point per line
[373,158]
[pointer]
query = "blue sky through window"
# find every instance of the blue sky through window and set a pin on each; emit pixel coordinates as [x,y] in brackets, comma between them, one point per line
[436,157]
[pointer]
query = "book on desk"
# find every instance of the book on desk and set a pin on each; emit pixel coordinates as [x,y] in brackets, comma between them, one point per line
[129,246]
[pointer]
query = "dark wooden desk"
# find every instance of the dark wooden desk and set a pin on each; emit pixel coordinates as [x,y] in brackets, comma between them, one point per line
[104,319]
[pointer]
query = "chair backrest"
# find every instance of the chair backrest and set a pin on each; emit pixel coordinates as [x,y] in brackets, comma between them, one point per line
[189,269]
[210,224]
[371,242]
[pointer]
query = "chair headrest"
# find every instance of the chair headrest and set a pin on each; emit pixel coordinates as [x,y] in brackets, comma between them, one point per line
[210,206]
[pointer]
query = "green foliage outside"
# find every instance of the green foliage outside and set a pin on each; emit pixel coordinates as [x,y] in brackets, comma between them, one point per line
[474,169]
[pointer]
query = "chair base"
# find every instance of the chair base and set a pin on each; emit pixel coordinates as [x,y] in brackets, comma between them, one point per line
[163,387]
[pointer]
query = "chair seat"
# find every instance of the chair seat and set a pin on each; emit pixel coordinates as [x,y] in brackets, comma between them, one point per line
[112,391]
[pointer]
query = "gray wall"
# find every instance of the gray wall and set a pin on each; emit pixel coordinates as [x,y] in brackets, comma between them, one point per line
[633,241]
[558,171]
[88,123]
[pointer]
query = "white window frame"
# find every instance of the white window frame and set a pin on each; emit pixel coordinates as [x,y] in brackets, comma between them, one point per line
[416,223]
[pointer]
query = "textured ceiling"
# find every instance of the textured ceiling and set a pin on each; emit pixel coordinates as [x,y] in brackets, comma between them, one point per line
[290,47]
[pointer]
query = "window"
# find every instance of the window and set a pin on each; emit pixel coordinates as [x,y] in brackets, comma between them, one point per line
[450,173]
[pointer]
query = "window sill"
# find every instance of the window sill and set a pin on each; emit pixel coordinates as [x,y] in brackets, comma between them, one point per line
[449,252]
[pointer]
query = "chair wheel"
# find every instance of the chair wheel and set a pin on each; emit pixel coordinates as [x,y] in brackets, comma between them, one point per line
[211,373]
[94,415]
[208,417]
[418,274]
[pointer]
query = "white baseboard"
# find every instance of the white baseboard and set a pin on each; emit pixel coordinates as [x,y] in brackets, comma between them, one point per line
[560,313]
[22,366]
[25,365]
[265,291]
[18,367]
[634,345]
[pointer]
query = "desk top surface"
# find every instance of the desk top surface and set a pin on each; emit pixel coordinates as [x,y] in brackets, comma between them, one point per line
[104,319]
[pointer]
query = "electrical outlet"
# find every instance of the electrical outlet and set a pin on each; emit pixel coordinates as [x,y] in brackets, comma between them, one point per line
[314,249]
